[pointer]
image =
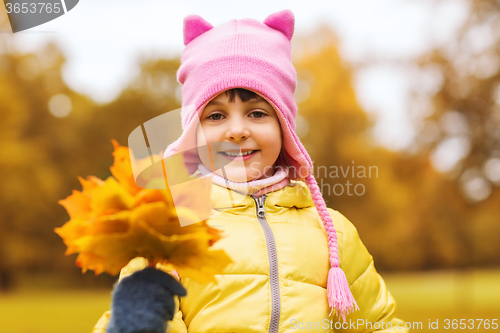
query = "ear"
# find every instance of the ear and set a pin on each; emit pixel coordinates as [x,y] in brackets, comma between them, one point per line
[194,26]
[283,21]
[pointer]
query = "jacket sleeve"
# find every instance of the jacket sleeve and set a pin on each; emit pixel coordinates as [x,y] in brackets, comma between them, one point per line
[177,325]
[375,302]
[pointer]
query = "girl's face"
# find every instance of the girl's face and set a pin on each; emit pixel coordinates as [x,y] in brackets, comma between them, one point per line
[251,126]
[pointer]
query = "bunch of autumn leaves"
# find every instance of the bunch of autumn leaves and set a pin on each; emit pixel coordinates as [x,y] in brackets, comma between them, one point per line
[114,221]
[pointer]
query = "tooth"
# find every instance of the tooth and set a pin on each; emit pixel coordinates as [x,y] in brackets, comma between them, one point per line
[238,154]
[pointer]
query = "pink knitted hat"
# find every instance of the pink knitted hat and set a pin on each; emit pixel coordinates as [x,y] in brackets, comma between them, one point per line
[255,56]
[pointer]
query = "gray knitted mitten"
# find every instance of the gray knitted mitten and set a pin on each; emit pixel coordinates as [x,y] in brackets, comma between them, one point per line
[143,302]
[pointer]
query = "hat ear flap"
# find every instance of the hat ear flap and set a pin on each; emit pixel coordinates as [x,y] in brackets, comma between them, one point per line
[194,26]
[283,21]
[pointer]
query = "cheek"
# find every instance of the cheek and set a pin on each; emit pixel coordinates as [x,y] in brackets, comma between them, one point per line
[278,142]
[277,137]
[200,137]
[209,134]
[272,140]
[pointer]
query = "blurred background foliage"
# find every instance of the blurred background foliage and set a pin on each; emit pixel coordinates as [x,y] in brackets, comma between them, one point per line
[416,212]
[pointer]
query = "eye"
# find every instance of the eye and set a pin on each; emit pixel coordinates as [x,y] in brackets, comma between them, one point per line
[215,116]
[258,114]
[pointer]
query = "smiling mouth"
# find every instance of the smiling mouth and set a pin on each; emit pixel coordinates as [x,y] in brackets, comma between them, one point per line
[238,154]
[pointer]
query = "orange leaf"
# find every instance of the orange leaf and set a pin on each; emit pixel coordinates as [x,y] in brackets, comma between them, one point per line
[115,221]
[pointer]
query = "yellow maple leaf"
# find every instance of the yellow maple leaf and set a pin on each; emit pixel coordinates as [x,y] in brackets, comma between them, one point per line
[114,221]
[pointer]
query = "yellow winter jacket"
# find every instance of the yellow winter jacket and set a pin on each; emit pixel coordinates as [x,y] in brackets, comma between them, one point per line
[277,282]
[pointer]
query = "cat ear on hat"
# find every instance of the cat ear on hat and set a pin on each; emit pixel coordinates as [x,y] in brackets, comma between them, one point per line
[283,21]
[194,26]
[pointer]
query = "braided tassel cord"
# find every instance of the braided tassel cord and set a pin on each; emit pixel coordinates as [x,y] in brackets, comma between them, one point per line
[339,295]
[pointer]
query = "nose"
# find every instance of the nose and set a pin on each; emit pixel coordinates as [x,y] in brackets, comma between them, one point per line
[237,130]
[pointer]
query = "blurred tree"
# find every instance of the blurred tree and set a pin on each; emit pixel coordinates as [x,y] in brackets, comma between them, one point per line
[456,99]
[456,107]
[31,162]
[410,216]
[50,135]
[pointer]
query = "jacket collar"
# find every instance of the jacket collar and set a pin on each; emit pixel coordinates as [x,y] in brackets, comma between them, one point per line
[296,194]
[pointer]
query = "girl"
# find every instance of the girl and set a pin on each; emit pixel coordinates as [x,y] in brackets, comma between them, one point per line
[296,263]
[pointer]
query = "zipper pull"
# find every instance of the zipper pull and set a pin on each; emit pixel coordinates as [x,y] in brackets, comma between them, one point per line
[261,212]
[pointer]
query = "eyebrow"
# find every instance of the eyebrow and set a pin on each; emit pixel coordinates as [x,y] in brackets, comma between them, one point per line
[252,101]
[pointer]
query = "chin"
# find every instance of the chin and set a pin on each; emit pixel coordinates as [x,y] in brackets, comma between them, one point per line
[233,176]
[241,178]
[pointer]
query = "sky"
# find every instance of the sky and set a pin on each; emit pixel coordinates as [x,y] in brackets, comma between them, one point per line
[104,39]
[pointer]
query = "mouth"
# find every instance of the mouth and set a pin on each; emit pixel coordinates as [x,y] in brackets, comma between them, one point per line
[235,154]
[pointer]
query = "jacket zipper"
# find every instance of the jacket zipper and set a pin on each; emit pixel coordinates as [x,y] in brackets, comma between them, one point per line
[273,264]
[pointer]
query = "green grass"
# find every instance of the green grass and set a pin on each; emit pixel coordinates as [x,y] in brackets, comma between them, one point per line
[52,311]
[421,297]
[437,296]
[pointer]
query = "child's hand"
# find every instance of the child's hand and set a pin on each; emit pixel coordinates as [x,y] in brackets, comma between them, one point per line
[144,302]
